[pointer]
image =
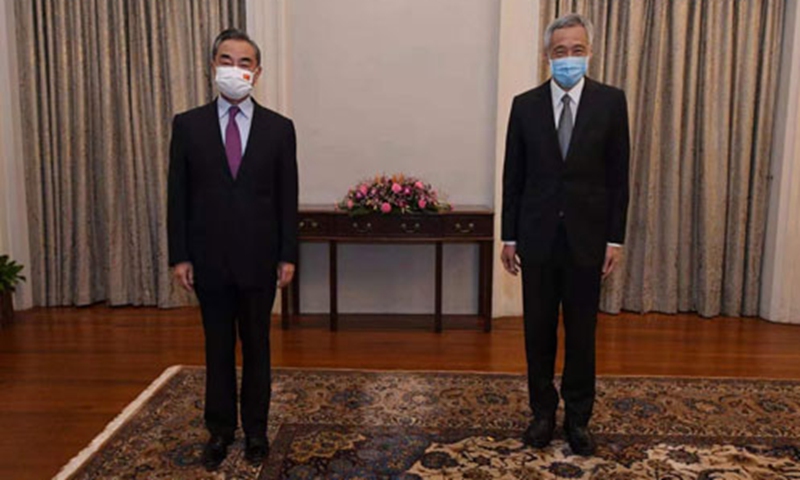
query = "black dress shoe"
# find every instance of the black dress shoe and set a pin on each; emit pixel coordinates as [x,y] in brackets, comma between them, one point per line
[256,450]
[580,440]
[215,451]
[539,433]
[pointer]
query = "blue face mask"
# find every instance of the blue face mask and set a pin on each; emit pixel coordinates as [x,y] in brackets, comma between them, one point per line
[568,71]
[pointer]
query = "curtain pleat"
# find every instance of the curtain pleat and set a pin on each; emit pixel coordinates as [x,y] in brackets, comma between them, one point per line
[701,80]
[101,81]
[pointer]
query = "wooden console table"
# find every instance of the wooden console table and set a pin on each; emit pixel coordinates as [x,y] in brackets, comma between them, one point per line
[462,225]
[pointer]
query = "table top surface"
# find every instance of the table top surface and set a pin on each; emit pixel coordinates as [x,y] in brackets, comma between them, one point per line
[457,210]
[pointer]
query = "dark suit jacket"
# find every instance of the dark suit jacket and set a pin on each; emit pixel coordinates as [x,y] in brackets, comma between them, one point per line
[233,231]
[588,190]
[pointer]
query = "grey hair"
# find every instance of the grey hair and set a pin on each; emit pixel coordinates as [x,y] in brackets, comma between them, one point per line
[568,20]
[234,34]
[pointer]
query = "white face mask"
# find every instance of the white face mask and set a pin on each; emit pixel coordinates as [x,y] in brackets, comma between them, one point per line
[234,82]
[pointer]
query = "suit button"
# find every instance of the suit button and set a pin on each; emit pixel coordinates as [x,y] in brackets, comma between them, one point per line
[561,214]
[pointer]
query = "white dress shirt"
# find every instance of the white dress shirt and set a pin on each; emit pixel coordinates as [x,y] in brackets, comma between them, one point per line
[574,95]
[558,105]
[243,119]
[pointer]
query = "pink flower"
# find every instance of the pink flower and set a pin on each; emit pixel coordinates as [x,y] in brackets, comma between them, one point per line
[386,208]
[359,194]
[397,188]
[419,185]
[363,189]
[422,203]
[349,204]
[407,191]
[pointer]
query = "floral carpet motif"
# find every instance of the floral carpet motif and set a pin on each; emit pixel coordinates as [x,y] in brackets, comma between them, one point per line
[398,425]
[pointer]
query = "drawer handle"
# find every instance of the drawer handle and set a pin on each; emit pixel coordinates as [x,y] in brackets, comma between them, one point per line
[469,229]
[414,229]
[310,223]
[365,229]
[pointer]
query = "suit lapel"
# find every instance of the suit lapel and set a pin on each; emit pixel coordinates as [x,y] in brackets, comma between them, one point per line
[251,149]
[550,115]
[217,144]
[585,112]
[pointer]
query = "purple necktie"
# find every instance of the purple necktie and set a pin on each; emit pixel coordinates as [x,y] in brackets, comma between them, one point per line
[233,142]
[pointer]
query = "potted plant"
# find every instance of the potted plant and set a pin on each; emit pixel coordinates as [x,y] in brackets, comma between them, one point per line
[9,279]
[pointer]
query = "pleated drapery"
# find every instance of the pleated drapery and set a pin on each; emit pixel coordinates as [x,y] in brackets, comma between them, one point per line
[701,80]
[101,80]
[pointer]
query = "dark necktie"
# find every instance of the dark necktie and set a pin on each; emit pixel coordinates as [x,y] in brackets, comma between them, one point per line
[233,142]
[565,127]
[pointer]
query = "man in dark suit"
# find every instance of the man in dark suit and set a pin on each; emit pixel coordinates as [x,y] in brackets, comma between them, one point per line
[232,221]
[565,200]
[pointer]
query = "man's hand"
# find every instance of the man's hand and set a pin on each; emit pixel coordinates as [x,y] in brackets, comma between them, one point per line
[613,257]
[510,259]
[184,275]
[285,274]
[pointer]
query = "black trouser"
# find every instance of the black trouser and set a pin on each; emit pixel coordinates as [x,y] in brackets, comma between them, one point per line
[546,285]
[224,311]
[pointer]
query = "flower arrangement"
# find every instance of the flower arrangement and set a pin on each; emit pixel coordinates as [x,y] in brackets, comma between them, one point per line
[395,194]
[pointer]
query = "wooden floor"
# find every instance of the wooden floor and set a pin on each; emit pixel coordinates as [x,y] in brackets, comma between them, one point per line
[65,373]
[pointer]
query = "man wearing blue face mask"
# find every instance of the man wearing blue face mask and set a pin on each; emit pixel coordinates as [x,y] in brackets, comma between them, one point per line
[232,228]
[565,200]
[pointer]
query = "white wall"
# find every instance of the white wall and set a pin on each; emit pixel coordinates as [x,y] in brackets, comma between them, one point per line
[394,86]
[518,71]
[13,207]
[781,269]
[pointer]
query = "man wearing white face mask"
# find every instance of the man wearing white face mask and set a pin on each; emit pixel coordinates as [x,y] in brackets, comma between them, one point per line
[232,225]
[565,200]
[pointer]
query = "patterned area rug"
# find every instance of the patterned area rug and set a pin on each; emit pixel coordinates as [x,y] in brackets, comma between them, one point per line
[404,426]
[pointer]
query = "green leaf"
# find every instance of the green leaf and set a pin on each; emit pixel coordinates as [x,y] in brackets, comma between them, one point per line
[9,274]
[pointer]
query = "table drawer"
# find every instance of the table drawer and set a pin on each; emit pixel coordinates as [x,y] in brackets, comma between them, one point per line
[314,225]
[400,226]
[468,226]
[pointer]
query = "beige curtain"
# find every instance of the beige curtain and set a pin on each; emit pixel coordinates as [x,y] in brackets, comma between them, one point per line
[101,80]
[701,79]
